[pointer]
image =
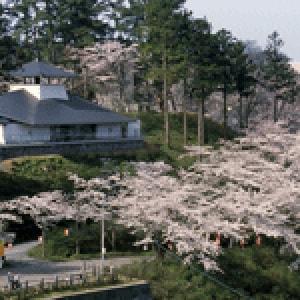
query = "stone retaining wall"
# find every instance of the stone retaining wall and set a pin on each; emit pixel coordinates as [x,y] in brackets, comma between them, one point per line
[103,146]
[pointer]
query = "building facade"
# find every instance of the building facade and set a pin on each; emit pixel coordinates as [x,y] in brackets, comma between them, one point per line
[39,111]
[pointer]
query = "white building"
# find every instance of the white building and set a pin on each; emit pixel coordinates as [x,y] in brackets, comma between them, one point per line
[38,111]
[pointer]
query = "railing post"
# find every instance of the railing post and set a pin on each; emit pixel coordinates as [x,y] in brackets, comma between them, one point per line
[111,273]
[26,287]
[56,282]
[99,274]
[42,284]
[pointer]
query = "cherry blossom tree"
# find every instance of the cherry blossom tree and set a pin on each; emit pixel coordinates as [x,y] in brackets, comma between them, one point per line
[109,66]
[46,209]
[249,186]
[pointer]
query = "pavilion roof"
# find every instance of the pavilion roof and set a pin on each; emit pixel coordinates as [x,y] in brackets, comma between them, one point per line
[41,69]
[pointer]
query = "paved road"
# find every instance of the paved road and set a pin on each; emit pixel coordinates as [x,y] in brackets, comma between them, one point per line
[33,270]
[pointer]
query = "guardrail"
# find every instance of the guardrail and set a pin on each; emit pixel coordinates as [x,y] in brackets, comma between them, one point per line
[94,277]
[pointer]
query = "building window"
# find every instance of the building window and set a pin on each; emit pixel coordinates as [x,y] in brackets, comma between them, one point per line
[124,131]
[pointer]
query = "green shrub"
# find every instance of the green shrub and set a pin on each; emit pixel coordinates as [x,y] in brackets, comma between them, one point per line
[261,272]
[170,280]
[60,247]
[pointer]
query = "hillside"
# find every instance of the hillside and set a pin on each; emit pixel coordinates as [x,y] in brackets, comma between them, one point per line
[29,175]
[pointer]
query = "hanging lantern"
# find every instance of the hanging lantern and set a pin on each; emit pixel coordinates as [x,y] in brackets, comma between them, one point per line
[258,240]
[66,232]
[170,246]
[242,243]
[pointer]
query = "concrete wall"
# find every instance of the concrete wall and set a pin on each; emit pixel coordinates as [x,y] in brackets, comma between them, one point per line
[2,134]
[113,131]
[134,129]
[18,134]
[139,291]
[103,146]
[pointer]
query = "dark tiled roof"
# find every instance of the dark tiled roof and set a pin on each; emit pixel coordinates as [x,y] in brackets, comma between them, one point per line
[22,107]
[41,69]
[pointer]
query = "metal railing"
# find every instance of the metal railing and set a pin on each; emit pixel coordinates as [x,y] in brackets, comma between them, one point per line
[94,277]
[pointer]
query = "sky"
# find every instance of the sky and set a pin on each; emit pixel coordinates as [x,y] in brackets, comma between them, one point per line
[254,19]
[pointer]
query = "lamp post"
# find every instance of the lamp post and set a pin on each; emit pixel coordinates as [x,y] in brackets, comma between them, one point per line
[102,243]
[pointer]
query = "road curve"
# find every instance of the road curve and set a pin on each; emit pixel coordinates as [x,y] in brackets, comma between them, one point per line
[33,270]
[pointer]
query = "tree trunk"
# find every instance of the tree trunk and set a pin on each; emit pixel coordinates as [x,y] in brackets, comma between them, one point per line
[77,246]
[184,114]
[85,83]
[166,108]
[225,110]
[241,112]
[247,112]
[275,109]
[43,241]
[201,122]
[121,86]
[113,239]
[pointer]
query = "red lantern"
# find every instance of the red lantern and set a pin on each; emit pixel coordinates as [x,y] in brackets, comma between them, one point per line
[170,246]
[242,243]
[258,240]
[66,232]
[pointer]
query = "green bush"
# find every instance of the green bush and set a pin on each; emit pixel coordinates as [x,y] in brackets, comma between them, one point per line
[60,247]
[260,271]
[170,280]
[13,185]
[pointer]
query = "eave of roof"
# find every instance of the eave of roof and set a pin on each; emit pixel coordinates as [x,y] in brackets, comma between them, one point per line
[41,69]
[22,107]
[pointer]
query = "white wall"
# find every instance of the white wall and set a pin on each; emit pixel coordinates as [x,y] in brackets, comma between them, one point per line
[108,131]
[18,134]
[134,129]
[42,92]
[2,136]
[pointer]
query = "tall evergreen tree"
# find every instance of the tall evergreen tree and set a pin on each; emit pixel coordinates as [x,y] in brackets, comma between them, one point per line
[127,17]
[44,27]
[7,44]
[24,13]
[202,57]
[279,77]
[244,76]
[226,61]
[159,46]
[80,23]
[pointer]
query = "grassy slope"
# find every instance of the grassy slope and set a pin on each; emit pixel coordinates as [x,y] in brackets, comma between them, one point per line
[258,272]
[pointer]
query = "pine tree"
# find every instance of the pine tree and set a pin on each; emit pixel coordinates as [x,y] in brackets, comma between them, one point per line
[80,23]
[279,77]
[128,17]
[26,28]
[244,76]
[159,46]
[226,60]
[202,56]
[7,44]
